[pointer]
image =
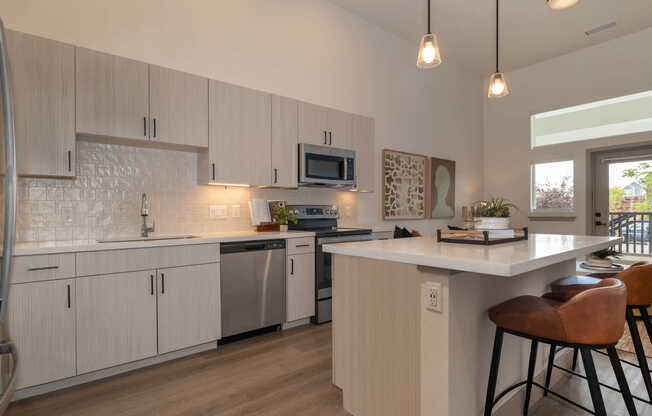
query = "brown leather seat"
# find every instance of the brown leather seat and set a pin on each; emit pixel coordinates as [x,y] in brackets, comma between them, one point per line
[638,279]
[595,316]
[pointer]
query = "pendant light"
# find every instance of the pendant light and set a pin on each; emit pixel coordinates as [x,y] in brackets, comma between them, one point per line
[561,4]
[497,83]
[429,56]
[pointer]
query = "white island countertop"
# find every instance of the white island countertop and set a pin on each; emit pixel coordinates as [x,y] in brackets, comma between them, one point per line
[509,259]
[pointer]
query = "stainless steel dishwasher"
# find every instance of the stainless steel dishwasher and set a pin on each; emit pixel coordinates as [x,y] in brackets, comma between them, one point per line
[253,285]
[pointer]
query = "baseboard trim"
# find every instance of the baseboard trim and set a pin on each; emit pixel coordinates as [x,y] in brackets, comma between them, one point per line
[513,403]
[294,324]
[108,372]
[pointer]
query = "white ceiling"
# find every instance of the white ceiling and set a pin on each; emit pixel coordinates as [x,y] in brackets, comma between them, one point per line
[529,31]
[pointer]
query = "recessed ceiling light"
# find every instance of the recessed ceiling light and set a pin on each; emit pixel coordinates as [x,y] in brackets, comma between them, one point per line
[561,4]
[599,29]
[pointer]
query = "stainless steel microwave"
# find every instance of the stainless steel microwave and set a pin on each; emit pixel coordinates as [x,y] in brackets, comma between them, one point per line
[326,166]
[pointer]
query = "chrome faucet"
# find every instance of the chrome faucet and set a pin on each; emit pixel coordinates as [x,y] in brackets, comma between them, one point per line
[144,212]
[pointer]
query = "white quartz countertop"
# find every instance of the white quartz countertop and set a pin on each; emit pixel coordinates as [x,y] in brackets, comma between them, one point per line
[55,247]
[509,259]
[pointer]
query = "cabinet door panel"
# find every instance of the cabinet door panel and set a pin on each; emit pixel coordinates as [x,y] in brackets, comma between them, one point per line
[43,81]
[116,319]
[188,306]
[365,152]
[112,95]
[42,326]
[340,124]
[240,134]
[313,124]
[285,151]
[300,286]
[178,107]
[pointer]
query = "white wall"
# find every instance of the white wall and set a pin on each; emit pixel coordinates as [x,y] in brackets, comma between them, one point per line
[306,49]
[612,69]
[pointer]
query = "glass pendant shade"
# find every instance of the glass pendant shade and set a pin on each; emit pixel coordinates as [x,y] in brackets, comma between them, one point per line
[429,56]
[497,85]
[561,4]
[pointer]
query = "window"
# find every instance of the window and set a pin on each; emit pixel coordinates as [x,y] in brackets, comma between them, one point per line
[552,188]
[616,116]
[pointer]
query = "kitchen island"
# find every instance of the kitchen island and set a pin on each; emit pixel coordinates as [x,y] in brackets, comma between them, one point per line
[398,351]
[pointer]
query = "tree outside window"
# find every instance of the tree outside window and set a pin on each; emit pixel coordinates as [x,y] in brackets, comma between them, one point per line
[553,187]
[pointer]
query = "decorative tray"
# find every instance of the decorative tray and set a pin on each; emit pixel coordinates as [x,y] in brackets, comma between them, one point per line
[606,269]
[480,237]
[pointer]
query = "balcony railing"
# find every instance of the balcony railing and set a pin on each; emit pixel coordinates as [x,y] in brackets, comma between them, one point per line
[634,228]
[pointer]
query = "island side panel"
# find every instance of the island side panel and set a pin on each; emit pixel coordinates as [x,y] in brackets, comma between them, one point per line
[376,341]
[472,333]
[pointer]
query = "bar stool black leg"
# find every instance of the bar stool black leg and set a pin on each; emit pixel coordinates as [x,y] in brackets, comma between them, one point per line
[574,366]
[530,375]
[551,362]
[622,381]
[646,321]
[493,372]
[640,352]
[592,378]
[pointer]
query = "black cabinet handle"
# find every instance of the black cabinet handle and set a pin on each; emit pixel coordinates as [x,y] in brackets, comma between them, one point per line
[162,282]
[275,175]
[68,288]
[69,161]
[34,269]
[302,245]
[330,138]
[213,171]
[151,284]
[325,137]
[145,126]
[292,266]
[154,127]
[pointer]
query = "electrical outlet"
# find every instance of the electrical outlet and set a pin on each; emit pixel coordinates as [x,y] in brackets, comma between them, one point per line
[433,297]
[235,211]
[217,212]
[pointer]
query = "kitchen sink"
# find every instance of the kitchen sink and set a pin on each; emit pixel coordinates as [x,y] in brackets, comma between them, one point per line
[153,238]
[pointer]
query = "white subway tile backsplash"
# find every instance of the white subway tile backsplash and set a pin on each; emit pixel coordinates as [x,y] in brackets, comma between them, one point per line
[103,201]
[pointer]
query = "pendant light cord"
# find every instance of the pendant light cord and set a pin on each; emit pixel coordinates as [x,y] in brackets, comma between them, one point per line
[429,32]
[497,55]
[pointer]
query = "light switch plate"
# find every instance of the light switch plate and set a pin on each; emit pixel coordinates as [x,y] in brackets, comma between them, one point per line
[235,211]
[433,297]
[217,212]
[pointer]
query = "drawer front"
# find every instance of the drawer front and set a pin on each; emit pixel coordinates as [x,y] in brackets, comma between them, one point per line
[301,245]
[128,260]
[43,267]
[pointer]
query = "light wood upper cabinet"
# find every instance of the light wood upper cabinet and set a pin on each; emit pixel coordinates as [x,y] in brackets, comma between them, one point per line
[188,306]
[284,142]
[178,107]
[112,95]
[41,319]
[340,124]
[313,124]
[300,287]
[363,139]
[240,135]
[43,84]
[116,319]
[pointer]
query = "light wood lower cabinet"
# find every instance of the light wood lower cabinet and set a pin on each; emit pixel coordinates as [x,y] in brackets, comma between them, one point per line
[116,319]
[188,306]
[300,287]
[41,319]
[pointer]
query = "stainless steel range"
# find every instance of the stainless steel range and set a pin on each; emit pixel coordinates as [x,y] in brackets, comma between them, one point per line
[322,219]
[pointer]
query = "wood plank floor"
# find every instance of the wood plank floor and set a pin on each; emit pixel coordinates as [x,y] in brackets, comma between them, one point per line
[278,374]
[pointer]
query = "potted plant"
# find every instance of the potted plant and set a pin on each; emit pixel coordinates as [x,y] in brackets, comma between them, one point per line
[492,214]
[603,257]
[282,214]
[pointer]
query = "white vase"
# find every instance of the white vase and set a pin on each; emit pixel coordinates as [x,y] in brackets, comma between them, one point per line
[491,223]
[284,228]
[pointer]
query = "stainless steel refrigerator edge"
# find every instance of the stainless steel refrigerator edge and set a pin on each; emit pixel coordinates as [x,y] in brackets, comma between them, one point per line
[8,359]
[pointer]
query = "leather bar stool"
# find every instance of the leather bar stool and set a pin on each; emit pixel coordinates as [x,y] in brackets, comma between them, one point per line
[549,321]
[638,279]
